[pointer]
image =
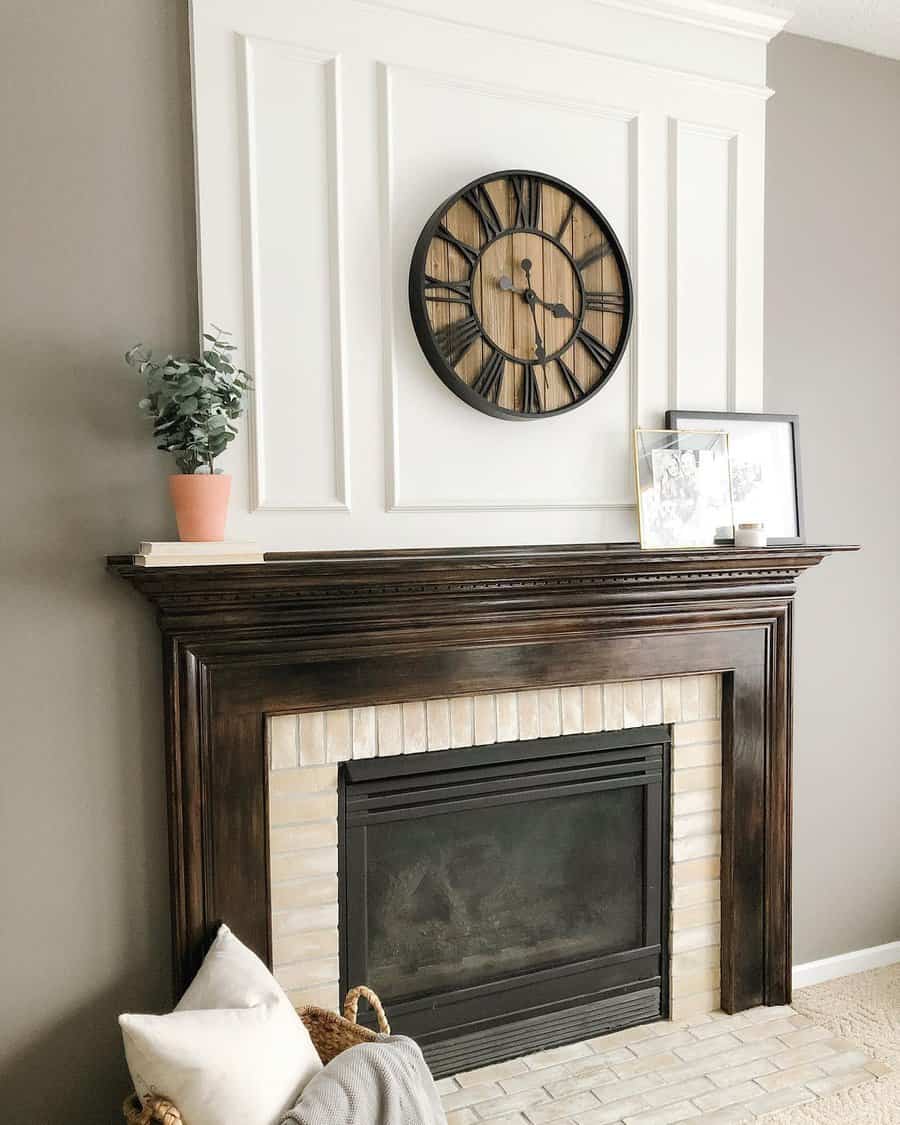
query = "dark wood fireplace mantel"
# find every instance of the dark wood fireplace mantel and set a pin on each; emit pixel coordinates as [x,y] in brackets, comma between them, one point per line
[318,630]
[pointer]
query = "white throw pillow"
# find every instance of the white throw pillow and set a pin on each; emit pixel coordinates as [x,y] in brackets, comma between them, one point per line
[219,1066]
[231,976]
[233,1050]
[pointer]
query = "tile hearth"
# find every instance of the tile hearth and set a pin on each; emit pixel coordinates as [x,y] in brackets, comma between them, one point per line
[712,1068]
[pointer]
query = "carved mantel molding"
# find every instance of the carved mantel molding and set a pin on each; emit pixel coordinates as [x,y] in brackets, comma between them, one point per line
[309,631]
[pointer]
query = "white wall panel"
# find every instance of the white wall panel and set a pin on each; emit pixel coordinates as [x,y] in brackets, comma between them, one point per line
[472,460]
[703,171]
[292,196]
[327,134]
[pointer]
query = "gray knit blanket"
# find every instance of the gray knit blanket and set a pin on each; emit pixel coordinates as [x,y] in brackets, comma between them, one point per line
[382,1083]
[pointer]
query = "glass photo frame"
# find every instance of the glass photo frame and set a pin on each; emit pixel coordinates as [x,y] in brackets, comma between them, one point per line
[684,488]
[764,450]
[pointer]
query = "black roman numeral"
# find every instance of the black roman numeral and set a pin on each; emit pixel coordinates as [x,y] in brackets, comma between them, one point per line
[604,302]
[479,199]
[531,395]
[600,353]
[594,254]
[490,381]
[527,190]
[461,291]
[454,340]
[567,218]
[467,251]
[574,388]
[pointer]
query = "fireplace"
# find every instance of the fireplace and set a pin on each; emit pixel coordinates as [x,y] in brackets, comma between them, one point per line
[509,896]
[366,645]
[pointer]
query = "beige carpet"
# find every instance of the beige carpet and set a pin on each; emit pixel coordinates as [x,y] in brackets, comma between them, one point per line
[864,1008]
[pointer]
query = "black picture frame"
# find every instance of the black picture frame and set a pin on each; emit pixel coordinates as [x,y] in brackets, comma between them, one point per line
[719,420]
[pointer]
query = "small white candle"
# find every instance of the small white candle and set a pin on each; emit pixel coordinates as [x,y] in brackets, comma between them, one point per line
[750,535]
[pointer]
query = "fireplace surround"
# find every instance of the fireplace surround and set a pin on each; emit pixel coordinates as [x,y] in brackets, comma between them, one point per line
[313,632]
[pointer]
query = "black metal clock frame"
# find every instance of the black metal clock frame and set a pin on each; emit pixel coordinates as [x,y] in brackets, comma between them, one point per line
[418,296]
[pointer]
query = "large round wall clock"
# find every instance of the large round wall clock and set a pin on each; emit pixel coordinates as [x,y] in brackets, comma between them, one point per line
[520,295]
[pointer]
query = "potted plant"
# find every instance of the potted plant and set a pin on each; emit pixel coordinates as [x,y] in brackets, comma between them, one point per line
[193,404]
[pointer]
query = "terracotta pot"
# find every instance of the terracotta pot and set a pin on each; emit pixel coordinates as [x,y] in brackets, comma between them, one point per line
[201,505]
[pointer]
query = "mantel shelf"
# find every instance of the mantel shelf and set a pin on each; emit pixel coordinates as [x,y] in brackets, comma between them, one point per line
[391,581]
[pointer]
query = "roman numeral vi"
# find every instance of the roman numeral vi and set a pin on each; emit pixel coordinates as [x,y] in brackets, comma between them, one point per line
[531,395]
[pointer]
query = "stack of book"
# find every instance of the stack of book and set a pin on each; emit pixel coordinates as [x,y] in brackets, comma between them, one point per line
[225,553]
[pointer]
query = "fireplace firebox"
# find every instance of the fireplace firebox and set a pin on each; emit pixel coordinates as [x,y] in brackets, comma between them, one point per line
[506,896]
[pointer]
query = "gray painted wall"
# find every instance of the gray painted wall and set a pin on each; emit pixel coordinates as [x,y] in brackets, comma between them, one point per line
[833,357]
[96,199]
[98,216]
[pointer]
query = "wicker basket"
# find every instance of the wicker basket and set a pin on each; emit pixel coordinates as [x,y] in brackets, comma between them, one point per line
[329,1032]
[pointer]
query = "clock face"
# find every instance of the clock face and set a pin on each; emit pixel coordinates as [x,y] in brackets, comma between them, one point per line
[520,295]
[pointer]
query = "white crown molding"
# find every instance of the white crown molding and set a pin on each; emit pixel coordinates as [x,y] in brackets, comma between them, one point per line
[756,21]
[844,964]
[753,89]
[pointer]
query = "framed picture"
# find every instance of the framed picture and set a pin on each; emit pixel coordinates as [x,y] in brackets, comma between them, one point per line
[765,468]
[683,486]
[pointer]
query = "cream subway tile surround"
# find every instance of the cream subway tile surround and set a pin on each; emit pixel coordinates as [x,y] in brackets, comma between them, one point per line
[462,721]
[572,700]
[651,692]
[364,737]
[415,728]
[437,718]
[614,706]
[485,715]
[283,741]
[507,717]
[592,696]
[529,714]
[338,738]
[312,738]
[633,705]
[389,729]
[304,752]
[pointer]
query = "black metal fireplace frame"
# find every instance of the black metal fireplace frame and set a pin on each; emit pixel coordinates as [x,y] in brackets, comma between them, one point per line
[558,1003]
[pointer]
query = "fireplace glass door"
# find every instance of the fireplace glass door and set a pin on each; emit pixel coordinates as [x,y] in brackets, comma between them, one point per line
[505,897]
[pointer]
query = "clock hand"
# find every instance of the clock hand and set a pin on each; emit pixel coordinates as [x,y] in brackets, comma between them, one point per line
[506,284]
[557,308]
[531,298]
[538,341]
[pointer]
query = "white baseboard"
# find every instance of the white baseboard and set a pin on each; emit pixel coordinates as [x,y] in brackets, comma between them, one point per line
[858,961]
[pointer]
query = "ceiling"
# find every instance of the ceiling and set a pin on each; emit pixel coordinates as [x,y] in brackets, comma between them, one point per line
[869,25]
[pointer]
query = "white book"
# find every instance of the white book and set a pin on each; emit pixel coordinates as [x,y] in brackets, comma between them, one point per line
[198,560]
[221,547]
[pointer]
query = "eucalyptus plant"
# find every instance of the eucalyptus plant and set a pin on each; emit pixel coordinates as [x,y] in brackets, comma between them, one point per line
[193,402]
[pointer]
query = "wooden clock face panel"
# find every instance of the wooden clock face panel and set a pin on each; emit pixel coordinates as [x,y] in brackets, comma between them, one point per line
[520,295]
